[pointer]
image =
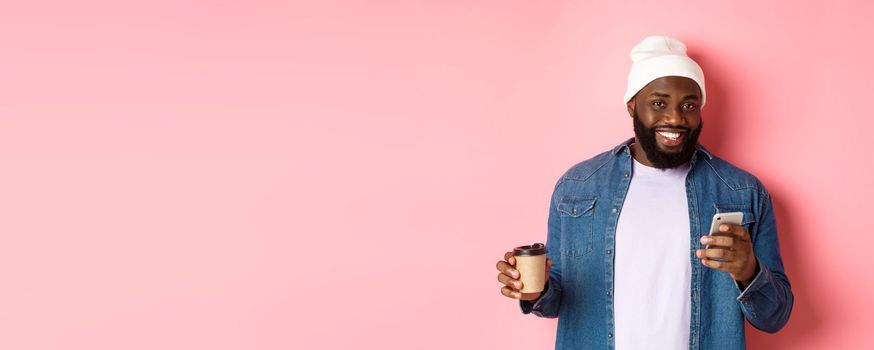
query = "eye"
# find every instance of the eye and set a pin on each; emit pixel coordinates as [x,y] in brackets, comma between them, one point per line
[690,106]
[658,103]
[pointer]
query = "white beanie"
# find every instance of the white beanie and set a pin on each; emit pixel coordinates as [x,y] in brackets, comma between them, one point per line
[661,56]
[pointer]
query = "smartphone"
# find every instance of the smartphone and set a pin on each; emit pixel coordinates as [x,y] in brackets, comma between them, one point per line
[734,218]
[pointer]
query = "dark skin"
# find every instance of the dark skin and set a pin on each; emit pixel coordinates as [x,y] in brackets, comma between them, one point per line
[667,104]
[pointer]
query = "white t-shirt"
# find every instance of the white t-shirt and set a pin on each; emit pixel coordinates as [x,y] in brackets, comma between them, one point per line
[653,269]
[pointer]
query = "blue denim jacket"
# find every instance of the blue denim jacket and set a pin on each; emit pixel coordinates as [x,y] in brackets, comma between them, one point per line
[583,213]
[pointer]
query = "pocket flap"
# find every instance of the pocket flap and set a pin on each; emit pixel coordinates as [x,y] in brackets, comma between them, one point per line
[576,206]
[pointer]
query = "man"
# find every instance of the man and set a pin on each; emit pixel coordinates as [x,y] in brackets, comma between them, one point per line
[630,263]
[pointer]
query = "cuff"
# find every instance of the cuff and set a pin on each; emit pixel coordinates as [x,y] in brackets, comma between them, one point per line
[758,282]
[535,306]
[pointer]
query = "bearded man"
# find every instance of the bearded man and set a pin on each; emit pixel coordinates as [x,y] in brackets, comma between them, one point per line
[631,263]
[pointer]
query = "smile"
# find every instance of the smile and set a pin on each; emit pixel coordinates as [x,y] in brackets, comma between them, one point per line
[670,138]
[670,135]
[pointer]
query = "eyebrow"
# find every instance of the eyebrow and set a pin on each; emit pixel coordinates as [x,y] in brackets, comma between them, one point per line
[664,95]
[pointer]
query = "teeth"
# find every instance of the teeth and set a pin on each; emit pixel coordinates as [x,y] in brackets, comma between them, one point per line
[670,135]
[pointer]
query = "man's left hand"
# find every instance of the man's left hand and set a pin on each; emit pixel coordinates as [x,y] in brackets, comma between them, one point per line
[735,249]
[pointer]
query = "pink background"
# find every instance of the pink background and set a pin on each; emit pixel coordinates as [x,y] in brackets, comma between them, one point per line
[345,174]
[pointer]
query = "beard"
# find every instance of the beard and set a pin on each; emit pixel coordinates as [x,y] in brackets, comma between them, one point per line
[661,159]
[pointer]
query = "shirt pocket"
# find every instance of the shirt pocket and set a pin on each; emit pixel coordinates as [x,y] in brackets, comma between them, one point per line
[577,219]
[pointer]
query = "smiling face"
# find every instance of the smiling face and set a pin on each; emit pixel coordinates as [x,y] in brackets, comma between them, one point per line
[667,121]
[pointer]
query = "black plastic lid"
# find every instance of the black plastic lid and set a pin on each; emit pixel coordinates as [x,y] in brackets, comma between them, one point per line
[530,250]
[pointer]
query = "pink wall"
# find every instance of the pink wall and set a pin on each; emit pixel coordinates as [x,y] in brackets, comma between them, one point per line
[266,175]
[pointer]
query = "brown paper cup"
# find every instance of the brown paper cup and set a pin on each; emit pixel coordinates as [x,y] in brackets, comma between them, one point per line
[531,264]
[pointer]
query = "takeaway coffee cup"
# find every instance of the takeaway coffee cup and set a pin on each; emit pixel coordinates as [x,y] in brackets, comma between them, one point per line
[531,263]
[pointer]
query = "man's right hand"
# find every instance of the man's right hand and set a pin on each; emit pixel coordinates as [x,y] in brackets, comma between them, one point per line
[509,277]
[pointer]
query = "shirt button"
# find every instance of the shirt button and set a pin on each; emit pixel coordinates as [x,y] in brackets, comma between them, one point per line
[609,252]
[626,174]
[613,210]
[609,335]
[608,292]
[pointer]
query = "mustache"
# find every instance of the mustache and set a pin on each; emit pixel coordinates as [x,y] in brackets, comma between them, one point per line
[653,129]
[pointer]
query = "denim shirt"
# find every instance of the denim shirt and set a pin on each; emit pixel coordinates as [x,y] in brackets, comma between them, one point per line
[583,213]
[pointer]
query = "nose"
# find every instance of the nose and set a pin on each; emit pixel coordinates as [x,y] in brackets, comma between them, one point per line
[674,116]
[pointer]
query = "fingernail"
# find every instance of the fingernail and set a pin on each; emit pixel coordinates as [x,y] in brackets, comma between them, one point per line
[723,228]
[705,239]
[698,253]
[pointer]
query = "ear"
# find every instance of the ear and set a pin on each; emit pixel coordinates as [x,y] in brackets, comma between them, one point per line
[630,106]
